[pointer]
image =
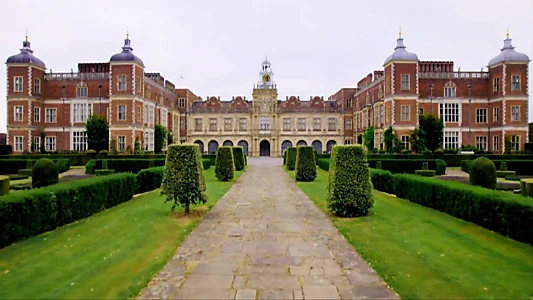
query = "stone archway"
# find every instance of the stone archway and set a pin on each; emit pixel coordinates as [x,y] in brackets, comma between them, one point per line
[286,144]
[264,148]
[301,143]
[244,145]
[200,145]
[330,145]
[212,147]
[227,143]
[317,146]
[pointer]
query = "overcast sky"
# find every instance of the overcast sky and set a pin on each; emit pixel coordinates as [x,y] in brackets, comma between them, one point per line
[316,47]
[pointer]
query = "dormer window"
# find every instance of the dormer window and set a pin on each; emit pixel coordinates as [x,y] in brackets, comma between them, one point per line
[82,92]
[449,90]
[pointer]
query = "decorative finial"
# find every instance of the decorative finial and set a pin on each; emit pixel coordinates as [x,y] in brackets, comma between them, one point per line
[400,32]
[127,33]
[507,35]
[26,35]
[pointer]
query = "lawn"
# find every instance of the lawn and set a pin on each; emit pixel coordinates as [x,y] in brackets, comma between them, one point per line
[112,254]
[422,253]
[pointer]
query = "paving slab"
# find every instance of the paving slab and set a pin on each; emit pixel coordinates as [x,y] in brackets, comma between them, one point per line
[265,239]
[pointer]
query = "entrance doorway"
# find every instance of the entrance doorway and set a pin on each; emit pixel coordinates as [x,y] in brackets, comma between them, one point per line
[264,148]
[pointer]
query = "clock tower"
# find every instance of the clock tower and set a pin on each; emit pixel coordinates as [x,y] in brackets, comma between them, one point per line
[266,77]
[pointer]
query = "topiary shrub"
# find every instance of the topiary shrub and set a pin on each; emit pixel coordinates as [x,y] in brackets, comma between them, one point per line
[25,172]
[424,165]
[151,163]
[29,164]
[238,157]
[291,158]
[103,152]
[504,174]
[224,165]
[90,151]
[503,166]
[44,173]
[426,173]
[483,173]
[439,151]
[90,166]
[4,185]
[440,167]
[427,152]
[104,172]
[149,179]
[184,179]
[305,164]
[378,165]
[350,186]
[104,164]
[526,187]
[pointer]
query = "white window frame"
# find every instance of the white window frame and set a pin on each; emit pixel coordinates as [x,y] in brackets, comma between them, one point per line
[317,123]
[82,92]
[451,139]
[482,142]
[381,114]
[50,143]
[228,124]
[449,92]
[50,115]
[348,124]
[243,124]
[213,124]
[286,124]
[496,143]
[79,141]
[121,143]
[181,102]
[406,113]
[121,116]
[19,143]
[122,84]
[18,84]
[496,84]
[164,116]
[37,86]
[450,112]
[332,124]
[81,112]
[405,82]
[18,113]
[515,113]
[264,123]
[516,82]
[37,142]
[302,124]
[36,114]
[148,140]
[515,143]
[481,115]
[198,124]
[406,142]
[496,114]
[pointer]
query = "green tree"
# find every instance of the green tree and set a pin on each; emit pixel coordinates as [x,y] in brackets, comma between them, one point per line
[305,164]
[433,128]
[224,164]
[97,133]
[137,145]
[170,138]
[160,134]
[368,138]
[418,140]
[391,140]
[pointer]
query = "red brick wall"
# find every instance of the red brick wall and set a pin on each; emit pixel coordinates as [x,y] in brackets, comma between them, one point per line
[515,69]
[401,69]
[18,71]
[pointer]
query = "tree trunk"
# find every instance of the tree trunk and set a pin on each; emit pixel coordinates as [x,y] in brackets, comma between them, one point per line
[187,210]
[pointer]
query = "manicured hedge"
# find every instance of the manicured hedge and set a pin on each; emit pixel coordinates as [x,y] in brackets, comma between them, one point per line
[4,185]
[206,163]
[504,174]
[104,172]
[382,180]
[526,187]
[291,158]
[505,213]
[521,167]
[426,173]
[6,149]
[238,157]
[12,166]
[305,164]
[123,165]
[44,173]
[324,164]
[29,213]
[149,179]
[398,166]
[224,165]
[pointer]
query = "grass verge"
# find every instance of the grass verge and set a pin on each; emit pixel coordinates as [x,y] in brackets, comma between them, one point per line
[422,253]
[110,255]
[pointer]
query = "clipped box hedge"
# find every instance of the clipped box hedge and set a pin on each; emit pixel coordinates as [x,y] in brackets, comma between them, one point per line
[224,165]
[291,158]
[398,166]
[305,164]
[123,165]
[149,179]
[426,173]
[526,187]
[104,172]
[4,185]
[12,166]
[238,157]
[323,164]
[29,213]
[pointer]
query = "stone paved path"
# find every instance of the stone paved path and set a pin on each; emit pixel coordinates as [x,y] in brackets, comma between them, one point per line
[265,239]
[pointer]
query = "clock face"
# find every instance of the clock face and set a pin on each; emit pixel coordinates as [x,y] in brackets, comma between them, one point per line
[266,78]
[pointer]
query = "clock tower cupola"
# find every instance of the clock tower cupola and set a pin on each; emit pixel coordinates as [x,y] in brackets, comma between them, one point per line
[266,76]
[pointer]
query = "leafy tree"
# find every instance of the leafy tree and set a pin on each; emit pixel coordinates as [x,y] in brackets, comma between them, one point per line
[433,128]
[418,140]
[97,133]
[291,158]
[137,145]
[360,139]
[224,164]
[368,138]
[170,138]
[305,163]
[184,179]
[159,138]
[391,140]
[238,157]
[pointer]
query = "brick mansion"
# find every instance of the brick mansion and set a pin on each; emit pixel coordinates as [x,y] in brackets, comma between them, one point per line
[479,108]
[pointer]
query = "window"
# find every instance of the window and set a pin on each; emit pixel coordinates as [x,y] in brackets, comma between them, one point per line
[50,115]
[149,140]
[122,82]
[515,82]
[148,114]
[406,144]
[36,143]
[37,86]
[121,114]
[82,92]
[286,124]
[164,117]
[264,123]
[481,142]
[357,122]
[197,124]
[405,82]
[19,140]
[332,124]
[81,112]
[228,124]
[450,112]
[496,143]
[121,143]
[50,143]
[316,124]
[387,114]
[138,85]
[349,124]
[79,141]
[496,114]
[365,124]
[449,91]
[301,124]
[149,93]
[496,84]
[405,113]
[420,111]
[451,140]
[182,123]
[380,91]
[212,124]
[481,115]
[242,124]
[348,103]
[138,114]
[381,114]
[181,102]
[18,84]
[515,113]
[515,143]
[376,115]
[18,115]
[36,114]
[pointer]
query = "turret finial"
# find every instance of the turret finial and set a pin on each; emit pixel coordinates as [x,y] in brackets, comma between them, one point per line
[400,32]
[26,35]
[507,35]
[127,33]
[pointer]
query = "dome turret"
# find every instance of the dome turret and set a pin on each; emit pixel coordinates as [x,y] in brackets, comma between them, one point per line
[400,54]
[508,53]
[127,54]
[26,56]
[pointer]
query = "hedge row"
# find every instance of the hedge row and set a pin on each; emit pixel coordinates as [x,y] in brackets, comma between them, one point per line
[36,211]
[521,167]
[12,166]
[398,166]
[505,213]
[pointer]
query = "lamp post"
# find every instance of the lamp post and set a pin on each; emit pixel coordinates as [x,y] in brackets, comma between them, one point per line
[63,120]
[100,99]
[470,114]
[431,97]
